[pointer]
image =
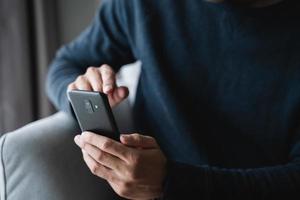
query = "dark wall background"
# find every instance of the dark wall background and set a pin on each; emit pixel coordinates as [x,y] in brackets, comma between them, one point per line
[30,33]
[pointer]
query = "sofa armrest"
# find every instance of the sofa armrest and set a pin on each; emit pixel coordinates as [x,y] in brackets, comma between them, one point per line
[41,161]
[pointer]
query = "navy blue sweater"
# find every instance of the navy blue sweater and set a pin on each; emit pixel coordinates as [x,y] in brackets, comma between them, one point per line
[219,90]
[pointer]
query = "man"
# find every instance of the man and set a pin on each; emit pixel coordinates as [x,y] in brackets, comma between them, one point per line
[217,105]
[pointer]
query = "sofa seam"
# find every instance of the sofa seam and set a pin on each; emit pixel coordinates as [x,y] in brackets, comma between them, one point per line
[3,169]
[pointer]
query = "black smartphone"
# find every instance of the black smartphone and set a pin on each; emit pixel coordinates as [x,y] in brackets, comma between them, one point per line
[94,113]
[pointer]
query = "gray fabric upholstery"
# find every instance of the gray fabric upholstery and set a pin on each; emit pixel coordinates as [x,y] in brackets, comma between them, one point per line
[41,162]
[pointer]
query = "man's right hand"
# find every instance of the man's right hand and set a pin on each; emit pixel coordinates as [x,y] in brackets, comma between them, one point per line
[101,79]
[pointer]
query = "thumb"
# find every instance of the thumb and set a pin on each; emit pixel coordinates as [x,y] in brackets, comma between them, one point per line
[139,141]
[117,95]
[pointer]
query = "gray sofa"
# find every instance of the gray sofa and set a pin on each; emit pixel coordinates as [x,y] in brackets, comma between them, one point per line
[41,162]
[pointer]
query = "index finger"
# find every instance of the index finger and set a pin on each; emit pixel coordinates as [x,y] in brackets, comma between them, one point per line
[106,144]
[108,78]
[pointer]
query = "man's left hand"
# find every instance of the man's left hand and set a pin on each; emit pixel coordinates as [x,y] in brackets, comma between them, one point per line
[135,168]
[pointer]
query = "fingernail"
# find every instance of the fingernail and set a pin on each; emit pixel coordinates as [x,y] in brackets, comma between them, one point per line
[125,137]
[121,93]
[84,133]
[77,140]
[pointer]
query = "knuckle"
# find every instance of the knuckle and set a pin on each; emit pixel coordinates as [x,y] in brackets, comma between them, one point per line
[106,75]
[109,177]
[94,169]
[100,156]
[91,70]
[137,137]
[80,78]
[106,144]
